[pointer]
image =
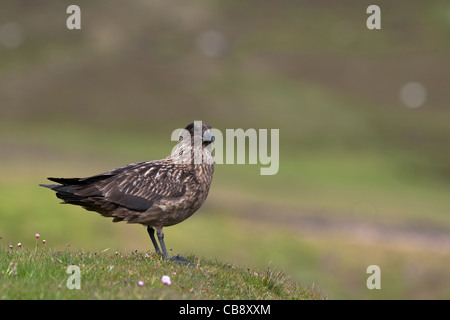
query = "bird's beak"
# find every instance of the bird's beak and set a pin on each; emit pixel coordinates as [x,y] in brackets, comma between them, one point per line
[207,136]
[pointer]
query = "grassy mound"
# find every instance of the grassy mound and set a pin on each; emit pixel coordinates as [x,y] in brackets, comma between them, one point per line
[42,273]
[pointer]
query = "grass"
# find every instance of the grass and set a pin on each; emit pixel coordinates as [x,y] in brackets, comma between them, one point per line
[41,273]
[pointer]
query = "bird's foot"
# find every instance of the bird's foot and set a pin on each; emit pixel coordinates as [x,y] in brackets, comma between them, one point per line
[180,260]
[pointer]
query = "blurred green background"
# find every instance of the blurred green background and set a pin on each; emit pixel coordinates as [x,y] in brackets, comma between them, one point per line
[363,117]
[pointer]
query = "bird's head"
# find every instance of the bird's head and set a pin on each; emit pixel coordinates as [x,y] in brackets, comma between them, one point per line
[198,131]
[194,144]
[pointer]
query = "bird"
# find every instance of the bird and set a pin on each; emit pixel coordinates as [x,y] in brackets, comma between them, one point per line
[156,194]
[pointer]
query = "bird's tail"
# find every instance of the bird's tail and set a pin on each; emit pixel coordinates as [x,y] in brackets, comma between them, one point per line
[65,192]
[77,191]
[50,186]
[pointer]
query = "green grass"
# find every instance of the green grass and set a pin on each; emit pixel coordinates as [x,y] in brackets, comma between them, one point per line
[41,273]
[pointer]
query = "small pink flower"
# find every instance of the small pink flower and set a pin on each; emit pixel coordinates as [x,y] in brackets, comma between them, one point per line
[43,241]
[19,245]
[166,280]
[140,283]
[10,246]
[37,236]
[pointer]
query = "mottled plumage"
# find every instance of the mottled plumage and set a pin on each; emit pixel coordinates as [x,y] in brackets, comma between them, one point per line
[156,193]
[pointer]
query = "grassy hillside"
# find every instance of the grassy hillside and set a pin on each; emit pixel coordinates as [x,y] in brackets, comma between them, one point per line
[42,273]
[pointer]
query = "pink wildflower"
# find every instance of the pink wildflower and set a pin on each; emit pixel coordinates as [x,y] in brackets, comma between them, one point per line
[166,280]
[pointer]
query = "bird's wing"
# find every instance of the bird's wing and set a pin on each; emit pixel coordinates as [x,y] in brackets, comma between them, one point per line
[138,186]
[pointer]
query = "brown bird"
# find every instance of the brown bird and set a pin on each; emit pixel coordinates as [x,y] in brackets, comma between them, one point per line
[155,193]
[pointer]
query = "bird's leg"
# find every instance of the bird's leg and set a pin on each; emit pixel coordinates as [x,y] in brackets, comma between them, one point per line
[160,235]
[177,258]
[151,233]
